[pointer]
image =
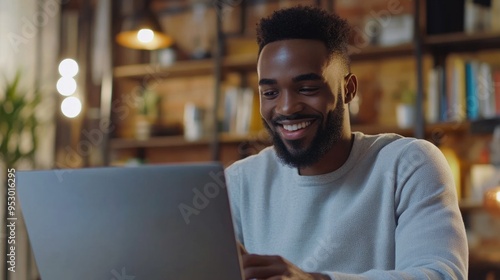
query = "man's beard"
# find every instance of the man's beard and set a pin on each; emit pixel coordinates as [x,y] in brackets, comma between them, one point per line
[326,136]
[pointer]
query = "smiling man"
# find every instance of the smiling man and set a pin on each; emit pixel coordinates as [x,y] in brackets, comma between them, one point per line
[327,203]
[302,103]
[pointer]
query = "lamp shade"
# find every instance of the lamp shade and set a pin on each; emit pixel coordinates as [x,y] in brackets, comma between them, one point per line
[143,31]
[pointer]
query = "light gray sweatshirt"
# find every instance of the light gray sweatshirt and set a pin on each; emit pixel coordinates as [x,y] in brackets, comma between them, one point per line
[390,212]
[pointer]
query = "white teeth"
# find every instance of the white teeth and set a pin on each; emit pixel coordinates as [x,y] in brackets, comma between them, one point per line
[293,127]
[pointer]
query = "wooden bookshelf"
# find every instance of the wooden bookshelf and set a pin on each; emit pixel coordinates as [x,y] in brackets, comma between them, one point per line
[435,45]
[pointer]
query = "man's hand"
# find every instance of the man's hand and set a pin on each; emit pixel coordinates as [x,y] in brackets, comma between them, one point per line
[273,268]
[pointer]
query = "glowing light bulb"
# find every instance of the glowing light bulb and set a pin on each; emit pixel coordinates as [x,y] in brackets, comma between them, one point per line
[498,196]
[71,107]
[68,67]
[66,86]
[145,35]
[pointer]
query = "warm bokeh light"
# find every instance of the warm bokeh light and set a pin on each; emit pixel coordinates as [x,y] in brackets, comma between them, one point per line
[454,162]
[71,107]
[66,86]
[145,35]
[492,200]
[68,68]
[144,39]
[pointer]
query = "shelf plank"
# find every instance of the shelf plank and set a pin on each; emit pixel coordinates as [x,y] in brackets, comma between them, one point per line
[377,129]
[180,141]
[179,69]
[378,52]
[187,68]
[485,126]
[467,205]
[154,142]
[240,63]
[463,41]
[448,127]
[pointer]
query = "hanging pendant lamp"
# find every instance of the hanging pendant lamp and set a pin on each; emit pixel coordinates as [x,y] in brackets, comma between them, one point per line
[143,31]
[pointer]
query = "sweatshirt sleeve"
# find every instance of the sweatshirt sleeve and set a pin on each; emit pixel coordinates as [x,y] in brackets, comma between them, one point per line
[430,234]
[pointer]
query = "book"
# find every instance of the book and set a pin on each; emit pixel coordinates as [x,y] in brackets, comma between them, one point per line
[496,82]
[443,101]
[432,101]
[238,110]
[244,111]
[477,17]
[230,107]
[456,110]
[256,124]
[471,90]
[495,19]
[485,92]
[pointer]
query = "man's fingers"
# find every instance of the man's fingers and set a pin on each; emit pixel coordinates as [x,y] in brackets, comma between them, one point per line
[260,260]
[263,267]
[263,272]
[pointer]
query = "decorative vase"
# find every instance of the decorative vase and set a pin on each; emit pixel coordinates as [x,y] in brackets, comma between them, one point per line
[405,114]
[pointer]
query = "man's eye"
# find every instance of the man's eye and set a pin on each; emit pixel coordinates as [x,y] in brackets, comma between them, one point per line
[308,90]
[269,93]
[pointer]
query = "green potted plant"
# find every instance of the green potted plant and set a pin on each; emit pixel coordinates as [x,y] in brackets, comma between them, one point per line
[17,112]
[18,138]
[147,113]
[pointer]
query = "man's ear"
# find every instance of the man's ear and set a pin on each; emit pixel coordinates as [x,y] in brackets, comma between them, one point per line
[350,87]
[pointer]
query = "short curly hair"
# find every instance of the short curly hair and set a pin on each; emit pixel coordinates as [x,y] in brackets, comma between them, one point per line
[306,22]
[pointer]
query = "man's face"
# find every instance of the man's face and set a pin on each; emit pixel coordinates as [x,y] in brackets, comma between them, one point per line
[301,99]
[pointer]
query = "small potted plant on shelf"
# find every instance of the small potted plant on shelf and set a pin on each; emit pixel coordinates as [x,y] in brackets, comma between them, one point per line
[405,108]
[147,113]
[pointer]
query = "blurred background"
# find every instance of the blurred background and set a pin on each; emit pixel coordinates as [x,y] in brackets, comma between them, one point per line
[123,83]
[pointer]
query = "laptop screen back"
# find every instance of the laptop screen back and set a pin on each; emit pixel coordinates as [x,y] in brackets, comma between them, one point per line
[149,222]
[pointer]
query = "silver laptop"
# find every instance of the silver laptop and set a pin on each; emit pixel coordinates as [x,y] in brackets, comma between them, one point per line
[130,223]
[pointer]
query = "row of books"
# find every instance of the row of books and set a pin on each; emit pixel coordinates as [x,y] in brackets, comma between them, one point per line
[241,111]
[481,15]
[463,89]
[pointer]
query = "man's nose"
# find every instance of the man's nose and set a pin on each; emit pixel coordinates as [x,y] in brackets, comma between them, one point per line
[289,103]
